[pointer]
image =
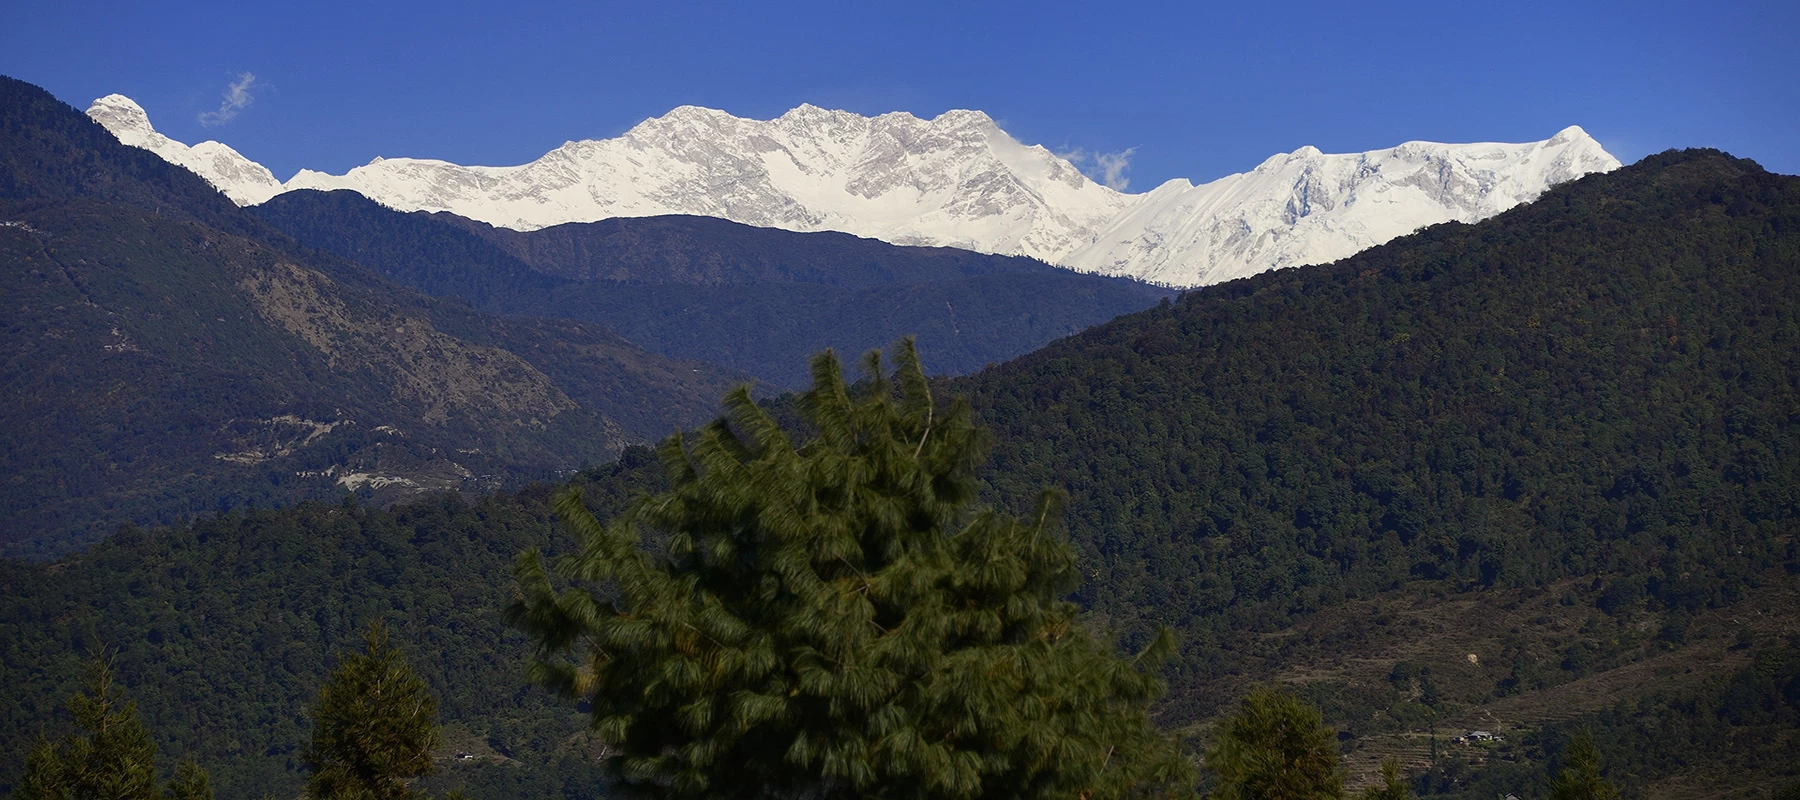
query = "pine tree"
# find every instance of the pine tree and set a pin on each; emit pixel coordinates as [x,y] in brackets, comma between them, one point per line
[835,620]
[191,783]
[1579,776]
[374,726]
[115,760]
[1275,748]
[1393,783]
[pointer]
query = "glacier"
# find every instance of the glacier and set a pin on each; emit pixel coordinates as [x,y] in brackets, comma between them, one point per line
[955,180]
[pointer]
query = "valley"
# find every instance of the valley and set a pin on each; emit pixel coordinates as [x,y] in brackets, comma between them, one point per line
[1519,460]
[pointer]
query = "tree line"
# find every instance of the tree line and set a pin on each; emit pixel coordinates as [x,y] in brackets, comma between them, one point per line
[1596,385]
[828,617]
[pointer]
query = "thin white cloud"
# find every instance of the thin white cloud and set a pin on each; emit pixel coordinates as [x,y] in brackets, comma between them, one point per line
[1107,168]
[1112,168]
[237,98]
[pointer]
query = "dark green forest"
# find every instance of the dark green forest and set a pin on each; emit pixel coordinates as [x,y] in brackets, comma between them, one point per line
[167,355]
[1589,402]
[224,630]
[1601,385]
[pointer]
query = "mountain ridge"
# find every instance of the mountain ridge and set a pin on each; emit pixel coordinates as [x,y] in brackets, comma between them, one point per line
[1562,441]
[168,354]
[958,180]
[757,300]
[244,181]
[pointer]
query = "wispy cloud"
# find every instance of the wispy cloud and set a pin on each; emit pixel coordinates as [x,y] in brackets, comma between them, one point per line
[1107,168]
[237,98]
[1112,167]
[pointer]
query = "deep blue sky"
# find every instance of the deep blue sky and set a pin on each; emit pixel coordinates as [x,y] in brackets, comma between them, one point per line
[1199,90]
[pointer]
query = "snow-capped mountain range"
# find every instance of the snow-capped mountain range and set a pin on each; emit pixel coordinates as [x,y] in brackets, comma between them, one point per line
[956,180]
[244,181]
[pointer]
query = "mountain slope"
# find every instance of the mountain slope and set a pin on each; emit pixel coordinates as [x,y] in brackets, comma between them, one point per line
[244,181]
[958,180]
[754,299]
[953,180]
[1307,207]
[1598,384]
[1563,441]
[707,251]
[168,354]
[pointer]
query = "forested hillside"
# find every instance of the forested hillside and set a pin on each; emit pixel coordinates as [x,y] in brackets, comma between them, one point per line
[753,299]
[1585,408]
[1507,469]
[166,354]
[223,631]
[1603,383]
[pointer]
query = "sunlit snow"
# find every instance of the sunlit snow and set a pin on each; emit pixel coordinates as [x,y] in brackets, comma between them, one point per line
[956,180]
[244,181]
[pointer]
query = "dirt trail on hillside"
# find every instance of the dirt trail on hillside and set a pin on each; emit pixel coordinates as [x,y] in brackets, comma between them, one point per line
[1359,645]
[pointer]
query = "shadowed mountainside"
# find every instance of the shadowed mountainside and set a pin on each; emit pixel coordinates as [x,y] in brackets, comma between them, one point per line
[168,354]
[753,299]
[1562,441]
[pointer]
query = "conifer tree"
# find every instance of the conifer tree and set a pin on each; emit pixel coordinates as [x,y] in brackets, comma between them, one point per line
[833,619]
[191,783]
[374,726]
[1392,786]
[1275,747]
[1579,776]
[115,760]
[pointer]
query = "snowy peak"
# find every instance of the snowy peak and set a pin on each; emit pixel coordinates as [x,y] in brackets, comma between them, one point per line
[956,179]
[1569,134]
[244,181]
[1309,207]
[123,116]
[953,180]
